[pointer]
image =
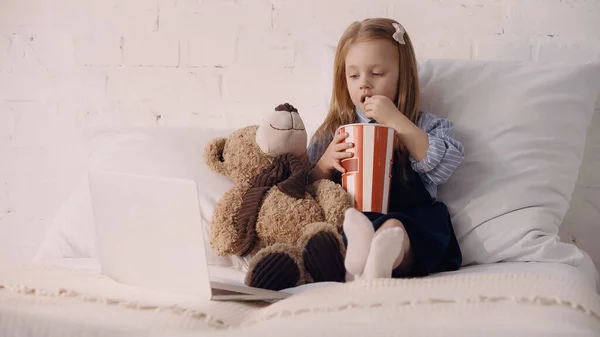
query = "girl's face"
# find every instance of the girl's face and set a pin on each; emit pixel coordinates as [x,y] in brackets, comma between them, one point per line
[372,69]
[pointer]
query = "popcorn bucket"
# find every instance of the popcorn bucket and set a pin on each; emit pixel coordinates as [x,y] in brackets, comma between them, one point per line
[368,174]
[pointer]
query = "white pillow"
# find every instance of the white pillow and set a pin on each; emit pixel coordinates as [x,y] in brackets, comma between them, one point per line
[169,152]
[581,225]
[524,127]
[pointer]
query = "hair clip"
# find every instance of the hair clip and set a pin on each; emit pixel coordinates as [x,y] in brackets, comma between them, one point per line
[399,34]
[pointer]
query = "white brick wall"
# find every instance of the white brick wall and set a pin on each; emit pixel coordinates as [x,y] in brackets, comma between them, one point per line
[72,67]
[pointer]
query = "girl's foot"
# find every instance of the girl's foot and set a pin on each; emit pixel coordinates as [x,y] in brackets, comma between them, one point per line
[386,246]
[359,232]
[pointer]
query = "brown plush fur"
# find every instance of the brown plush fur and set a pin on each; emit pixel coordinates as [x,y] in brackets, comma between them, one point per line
[283,218]
[242,158]
[224,236]
[212,154]
[333,200]
[284,223]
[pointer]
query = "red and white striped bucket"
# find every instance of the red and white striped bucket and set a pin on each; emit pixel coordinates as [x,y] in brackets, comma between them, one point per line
[368,174]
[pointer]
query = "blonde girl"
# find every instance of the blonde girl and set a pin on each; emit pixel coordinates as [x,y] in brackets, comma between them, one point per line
[376,81]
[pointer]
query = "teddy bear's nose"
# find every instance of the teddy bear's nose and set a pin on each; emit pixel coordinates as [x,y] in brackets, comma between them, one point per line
[286,107]
[287,121]
[287,118]
[282,132]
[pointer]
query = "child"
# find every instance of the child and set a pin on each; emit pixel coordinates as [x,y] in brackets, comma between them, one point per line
[376,80]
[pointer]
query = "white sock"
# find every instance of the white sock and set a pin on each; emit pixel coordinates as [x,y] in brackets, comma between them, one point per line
[386,247]
[359,232]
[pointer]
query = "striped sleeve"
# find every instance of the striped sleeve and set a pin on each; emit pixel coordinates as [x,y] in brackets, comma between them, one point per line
[317,147]
[444,154]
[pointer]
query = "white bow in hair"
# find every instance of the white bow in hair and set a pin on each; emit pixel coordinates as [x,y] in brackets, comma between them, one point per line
[399,34]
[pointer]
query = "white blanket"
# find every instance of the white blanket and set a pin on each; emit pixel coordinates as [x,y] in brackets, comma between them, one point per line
[61,301]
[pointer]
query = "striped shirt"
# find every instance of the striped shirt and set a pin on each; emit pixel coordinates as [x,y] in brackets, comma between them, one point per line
[444,154]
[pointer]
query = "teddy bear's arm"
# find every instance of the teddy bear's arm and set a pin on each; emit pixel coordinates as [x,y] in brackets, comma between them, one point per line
[224,234]
[333,200]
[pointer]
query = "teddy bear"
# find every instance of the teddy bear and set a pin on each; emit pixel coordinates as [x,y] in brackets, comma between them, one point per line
[288,228]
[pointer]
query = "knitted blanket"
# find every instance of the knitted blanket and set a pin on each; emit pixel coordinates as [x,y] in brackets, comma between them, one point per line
[513,302]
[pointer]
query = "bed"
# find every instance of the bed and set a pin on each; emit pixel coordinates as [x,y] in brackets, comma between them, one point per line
[71,297]
[519,277]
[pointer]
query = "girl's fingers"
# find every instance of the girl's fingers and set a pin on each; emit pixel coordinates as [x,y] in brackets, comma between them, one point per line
[343,146]
[340,136]
[339,167]
[342,155]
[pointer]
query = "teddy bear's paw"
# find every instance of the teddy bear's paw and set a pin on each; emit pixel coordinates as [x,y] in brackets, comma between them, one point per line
[275,268]
[333,199]
[323,257]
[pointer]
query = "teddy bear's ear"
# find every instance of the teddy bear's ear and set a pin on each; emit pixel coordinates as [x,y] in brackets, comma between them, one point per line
[213,155]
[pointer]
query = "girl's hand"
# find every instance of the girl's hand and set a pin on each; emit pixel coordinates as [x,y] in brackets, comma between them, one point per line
[335,152]
[381,109]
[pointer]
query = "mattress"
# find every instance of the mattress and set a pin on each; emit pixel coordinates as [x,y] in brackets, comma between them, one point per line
[72,298]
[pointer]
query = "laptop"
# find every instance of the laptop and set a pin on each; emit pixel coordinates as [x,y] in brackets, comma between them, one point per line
[149,234]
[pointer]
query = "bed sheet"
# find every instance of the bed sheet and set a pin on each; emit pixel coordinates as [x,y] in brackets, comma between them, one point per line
[235,274]
[36,309]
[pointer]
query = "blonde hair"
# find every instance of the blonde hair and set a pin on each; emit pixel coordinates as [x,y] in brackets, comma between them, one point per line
[341,110]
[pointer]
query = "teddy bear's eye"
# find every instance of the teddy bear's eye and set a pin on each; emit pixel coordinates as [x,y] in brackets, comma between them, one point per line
[221,159]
